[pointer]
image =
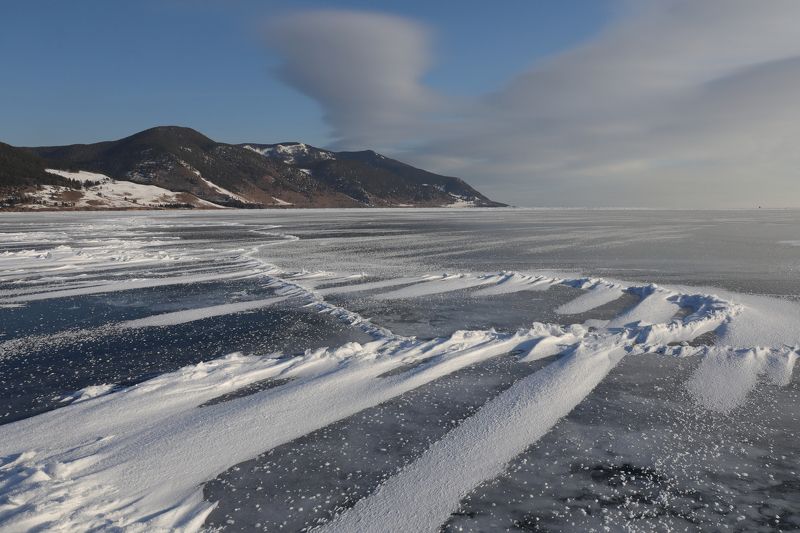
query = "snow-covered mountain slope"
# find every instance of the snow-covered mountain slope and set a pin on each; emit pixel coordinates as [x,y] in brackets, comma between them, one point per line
[374,179]
[101,192]
[183,161]
[292,153]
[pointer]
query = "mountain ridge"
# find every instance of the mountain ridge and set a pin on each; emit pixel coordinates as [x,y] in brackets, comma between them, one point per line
[195,171]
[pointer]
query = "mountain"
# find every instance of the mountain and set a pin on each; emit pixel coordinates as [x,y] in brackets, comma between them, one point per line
[374,179]
[181,159]
[21,171]
[171,166]
[19,167]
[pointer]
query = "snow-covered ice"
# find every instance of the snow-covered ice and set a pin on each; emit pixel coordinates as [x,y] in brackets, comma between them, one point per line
[299,369]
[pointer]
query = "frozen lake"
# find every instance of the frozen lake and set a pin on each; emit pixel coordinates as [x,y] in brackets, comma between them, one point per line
[400,370]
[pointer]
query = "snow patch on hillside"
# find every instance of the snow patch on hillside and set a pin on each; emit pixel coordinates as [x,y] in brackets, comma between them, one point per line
[278,201]
[288,152]
[213,185]
[108,193]
[82,175]
[461,201]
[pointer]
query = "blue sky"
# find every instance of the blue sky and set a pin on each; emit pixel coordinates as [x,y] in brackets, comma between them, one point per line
[663,103]
[92,70]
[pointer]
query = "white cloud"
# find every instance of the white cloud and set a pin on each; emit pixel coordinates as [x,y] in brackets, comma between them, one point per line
[681,102]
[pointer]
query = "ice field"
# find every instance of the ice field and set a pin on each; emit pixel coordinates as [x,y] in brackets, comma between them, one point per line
[400,370]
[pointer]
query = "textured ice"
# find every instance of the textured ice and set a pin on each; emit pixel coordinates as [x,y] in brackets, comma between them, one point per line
[398,370]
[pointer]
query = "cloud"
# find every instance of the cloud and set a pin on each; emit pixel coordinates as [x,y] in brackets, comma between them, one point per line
[363,68]
[678,103]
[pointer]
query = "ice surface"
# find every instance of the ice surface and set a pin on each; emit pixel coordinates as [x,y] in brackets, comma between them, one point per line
[638,455]
[327,471]
[404,370]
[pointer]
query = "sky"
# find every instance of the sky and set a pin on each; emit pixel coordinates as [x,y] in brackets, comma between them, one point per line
[628,103]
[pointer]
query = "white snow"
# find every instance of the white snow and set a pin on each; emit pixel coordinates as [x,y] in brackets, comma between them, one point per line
[81,175]
[725,376]
[130,284]
[655,308]
[479,448]
[515,282]
[111,193]
[764,321]
[288,152]
[440,284]
[460,202]
[222,190]
[190,315]
[93,391]
[152,447]
[361,287]
[599,294]
[214,186]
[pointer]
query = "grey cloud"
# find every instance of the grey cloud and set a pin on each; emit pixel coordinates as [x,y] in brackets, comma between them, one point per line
[688,103]
[363,68]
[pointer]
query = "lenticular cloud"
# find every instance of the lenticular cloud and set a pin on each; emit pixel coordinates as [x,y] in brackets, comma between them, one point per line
[659,109]
[364,69]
